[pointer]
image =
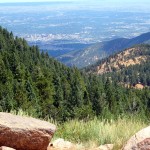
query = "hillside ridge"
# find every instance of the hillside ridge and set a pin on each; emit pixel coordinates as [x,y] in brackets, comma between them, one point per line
[129,57]
[98,51]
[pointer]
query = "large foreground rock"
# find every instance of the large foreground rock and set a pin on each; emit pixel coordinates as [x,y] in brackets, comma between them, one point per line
[140,141]
[23,133]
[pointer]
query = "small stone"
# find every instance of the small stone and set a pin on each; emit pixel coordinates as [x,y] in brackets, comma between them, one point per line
[105,147]
[61,144]
[6,148]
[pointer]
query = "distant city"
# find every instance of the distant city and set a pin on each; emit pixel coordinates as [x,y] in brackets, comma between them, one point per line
[66,23]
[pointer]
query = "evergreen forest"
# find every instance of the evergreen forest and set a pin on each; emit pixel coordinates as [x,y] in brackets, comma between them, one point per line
[36,83]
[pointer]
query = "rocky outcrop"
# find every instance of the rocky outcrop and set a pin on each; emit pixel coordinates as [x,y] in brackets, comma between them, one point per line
[139,141]
[23,133]
[139,86]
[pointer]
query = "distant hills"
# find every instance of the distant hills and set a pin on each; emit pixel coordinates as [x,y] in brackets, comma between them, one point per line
[130,66]
[59,47]
[135,55]
[98,51]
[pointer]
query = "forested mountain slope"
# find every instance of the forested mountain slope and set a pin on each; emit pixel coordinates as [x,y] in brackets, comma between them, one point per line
[43,87]
[98,51]
[131,66]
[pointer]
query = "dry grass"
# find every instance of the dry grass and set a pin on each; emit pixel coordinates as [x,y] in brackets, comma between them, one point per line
[96,132]
[93,133]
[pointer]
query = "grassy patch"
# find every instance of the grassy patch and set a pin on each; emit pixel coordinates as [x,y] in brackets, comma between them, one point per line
[20,112]
[96,132]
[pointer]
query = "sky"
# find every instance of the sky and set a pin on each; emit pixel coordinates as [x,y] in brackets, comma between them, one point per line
[108,2]
[12,1]
[139,5]
[112,1]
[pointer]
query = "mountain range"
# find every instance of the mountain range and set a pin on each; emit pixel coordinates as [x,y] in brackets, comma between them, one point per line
[98,51]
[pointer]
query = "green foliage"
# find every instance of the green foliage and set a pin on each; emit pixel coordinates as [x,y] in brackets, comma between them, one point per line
[96,132]
[41,86]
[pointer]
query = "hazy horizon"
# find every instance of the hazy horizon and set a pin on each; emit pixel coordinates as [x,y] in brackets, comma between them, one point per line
[115,5]
[53,23]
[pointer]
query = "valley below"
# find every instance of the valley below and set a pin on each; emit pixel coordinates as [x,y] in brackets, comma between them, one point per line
[81,68]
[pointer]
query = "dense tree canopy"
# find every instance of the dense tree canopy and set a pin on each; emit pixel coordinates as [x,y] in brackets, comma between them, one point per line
[32,81]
